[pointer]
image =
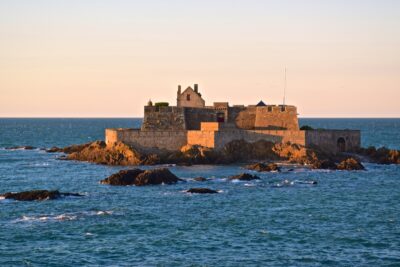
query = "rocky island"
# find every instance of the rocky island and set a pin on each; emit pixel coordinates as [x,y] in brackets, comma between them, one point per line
[193,133]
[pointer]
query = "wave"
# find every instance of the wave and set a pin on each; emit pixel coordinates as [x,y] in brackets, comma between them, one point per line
[63,216]
[15,148]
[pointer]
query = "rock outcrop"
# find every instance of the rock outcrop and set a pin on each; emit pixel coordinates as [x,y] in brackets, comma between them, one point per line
[350,164]
[140,177]
[381,155]
[244,177]
[68,149]
[262,167]
[115,154]
[201,191]
[36,195]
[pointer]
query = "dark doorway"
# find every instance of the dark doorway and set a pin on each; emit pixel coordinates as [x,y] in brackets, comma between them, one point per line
[341,145]
[220,117]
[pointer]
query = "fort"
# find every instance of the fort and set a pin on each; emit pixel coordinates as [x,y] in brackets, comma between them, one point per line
[191,122]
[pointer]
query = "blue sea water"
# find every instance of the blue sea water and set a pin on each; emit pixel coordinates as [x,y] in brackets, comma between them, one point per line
[347,219]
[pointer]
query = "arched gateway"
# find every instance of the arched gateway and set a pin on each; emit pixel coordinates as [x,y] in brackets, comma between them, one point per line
[341,145]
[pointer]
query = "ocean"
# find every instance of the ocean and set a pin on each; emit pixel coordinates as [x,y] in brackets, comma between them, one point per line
[347,219]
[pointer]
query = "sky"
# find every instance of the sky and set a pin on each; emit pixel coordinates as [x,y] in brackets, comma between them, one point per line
[70,58]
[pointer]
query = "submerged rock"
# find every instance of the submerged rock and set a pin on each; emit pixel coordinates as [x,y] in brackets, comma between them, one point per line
[244,177]
[350,164]
[200,179]
[54,149]
[37,195]
[262,167]
[140,177]
[201,191]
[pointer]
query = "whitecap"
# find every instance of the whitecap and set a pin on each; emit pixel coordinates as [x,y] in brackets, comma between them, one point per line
[65,217]
[26,218]
[249,185]
[44,164]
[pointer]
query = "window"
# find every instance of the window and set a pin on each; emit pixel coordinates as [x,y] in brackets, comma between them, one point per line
[269,109]
[188,97]
[220,117]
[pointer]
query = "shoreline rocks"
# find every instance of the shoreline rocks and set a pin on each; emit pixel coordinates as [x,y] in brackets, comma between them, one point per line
[37,195]
[234,152]
[262,167]
[381,155]
[140,177]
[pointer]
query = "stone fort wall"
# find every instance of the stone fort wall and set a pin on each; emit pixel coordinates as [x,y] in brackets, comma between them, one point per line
[170,140]
[328,139]
[248,118]
[214,137]
[218,139]
[164,119]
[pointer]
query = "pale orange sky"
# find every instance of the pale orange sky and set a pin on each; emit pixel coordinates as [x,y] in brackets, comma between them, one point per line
[108,58]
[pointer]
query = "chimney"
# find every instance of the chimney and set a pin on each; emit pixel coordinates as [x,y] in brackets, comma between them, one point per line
[196,88]
[179,89]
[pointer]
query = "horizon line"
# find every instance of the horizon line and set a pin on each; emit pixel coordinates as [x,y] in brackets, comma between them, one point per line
[125,117]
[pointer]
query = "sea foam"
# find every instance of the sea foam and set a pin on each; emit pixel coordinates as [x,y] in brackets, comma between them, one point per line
[63,216]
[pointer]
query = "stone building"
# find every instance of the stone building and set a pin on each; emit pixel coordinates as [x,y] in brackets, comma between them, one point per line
[190,98]
[192,122]
[191,111]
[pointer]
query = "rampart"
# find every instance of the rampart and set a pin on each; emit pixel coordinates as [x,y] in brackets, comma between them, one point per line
[334,140]
[217,135]
[170,140]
